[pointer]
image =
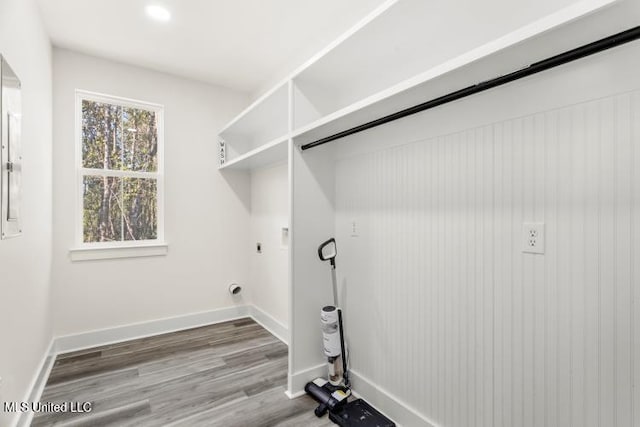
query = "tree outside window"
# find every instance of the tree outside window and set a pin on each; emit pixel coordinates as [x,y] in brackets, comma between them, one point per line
[120,169]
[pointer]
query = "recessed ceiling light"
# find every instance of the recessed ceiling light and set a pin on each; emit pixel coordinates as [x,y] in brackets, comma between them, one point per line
[158,13]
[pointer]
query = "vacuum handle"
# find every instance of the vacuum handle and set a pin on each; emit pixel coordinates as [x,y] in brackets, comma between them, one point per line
[327,251]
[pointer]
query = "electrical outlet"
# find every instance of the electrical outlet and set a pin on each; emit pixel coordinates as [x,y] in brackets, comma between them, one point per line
[533,237]
[354,228]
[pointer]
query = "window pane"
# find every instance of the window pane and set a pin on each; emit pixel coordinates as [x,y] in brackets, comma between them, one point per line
[102,209]
[140,140]
[141,209]
[101,135]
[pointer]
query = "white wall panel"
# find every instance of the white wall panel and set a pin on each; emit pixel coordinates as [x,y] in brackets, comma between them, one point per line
[207,213]
[25,261]
[312,222]
[444,310]
[635,269]
[269,214]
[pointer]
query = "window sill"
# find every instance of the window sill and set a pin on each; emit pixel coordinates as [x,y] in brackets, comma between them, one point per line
[113,252]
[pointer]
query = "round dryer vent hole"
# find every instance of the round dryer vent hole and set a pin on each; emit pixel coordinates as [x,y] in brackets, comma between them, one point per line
[235,289]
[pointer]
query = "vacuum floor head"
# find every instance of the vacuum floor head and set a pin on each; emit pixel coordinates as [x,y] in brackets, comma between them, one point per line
[359,413]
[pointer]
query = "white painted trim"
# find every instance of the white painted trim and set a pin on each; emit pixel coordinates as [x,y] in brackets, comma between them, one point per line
[298,379]
[37,384]
[118,334]
[118,173]
[119,100]
[395,409]
[294,395]
[121,251]
[268,322]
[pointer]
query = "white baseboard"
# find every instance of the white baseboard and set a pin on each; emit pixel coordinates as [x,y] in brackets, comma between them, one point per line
[298,379]
[37,384]
[84,340]
[67,343]
[270,324]
[294,395]
[398,411]
[394,408]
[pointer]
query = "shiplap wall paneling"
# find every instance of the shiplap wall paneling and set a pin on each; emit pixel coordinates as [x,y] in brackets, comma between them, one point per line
[635,253]
[445,312]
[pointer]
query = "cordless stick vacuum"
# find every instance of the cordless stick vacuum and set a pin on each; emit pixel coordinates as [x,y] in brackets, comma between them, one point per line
[331,393]
[332,327]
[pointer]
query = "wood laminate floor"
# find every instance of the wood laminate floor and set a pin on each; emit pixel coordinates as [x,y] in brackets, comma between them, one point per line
[229,374]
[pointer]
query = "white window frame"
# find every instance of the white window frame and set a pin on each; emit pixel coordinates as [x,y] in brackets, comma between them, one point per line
[100,250]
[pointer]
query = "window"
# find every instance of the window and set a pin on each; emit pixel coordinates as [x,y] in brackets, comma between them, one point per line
[120,171]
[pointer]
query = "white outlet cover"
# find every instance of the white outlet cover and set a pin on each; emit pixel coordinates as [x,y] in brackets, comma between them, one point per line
[533,237]
[354,227]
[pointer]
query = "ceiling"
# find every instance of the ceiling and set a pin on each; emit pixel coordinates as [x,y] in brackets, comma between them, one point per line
[241,44]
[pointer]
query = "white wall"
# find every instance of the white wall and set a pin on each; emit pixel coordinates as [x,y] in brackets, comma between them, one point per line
[312,219]
[206,213]
[444,313]
[25,261]
[269,214]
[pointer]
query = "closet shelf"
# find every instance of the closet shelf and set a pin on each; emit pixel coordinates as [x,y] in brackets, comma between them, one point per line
[350,83]
[249,119]
[270,153]
[267,119]
[582,23]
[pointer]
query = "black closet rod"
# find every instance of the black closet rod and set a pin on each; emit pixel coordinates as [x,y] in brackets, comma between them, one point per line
[554,61]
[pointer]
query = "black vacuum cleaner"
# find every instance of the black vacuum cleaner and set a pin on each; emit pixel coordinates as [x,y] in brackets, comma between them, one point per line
[328,400]
[333,394]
